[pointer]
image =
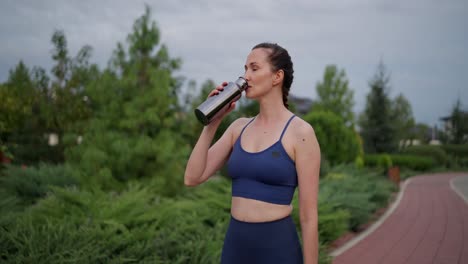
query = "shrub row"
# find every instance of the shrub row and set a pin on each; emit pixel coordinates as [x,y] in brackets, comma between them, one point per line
[359,193]
[429,151]
[451,156]
[71,224]
[135,226]
[413,162]
[458,155]
[28,184]
[460,151]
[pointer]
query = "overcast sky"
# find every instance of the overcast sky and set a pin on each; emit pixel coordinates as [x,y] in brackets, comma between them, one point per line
[422,42]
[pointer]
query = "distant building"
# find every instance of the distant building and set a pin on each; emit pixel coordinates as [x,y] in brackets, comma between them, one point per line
[302,104]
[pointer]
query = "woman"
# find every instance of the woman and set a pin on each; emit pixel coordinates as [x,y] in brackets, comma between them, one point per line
[267,157]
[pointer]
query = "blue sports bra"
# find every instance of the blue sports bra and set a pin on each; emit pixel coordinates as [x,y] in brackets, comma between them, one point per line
[269,175]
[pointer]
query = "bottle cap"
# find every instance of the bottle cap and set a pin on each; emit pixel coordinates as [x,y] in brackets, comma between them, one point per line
[242,83]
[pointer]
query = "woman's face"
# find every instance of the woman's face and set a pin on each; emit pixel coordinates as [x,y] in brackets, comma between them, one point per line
[258,73]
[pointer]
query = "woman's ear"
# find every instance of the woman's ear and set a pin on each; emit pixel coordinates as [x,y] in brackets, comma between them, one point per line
[278,77]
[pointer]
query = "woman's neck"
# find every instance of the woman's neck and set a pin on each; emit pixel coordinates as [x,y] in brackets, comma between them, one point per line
[272,108]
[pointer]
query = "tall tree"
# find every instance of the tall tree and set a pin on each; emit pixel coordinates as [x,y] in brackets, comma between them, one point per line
[43,107]
[458,133]
[135,131]
[17,97]
[377,130]
[20,130]
[402,119]
[38,105]
[71,75]
[334,94]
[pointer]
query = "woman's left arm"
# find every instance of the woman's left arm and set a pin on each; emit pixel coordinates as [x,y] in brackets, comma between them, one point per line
[307,155]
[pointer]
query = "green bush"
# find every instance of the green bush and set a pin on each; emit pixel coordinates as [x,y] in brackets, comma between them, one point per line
[10,205]
[138,225]
[458,155]
[456,150]
[30,183]
[360,193]
[64,241]
[82,227]
[134,226]
[33,148]
[384,161]
[359,162]
[338,143]
[381,191]
[332,222]
[414,162]
[434,152]
[417,163]
[356,203]
[109,159]
[324,166]
[331,225]
[463,162]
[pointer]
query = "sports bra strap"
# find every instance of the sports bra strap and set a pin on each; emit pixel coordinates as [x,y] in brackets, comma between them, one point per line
[246,126]
[286,126]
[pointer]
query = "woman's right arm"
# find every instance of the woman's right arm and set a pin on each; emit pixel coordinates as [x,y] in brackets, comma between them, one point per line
[204,160]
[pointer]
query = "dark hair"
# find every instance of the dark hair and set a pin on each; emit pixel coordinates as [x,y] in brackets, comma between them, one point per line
[280,60]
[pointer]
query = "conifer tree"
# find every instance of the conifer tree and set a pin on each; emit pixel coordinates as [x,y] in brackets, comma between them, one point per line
[134,133]
[377,130]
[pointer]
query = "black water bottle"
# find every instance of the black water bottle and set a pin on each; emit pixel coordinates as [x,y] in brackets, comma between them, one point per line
[213,105]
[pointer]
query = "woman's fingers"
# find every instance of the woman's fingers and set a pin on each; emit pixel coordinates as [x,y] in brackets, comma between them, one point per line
[231,107]
[221,87]
[218,89]
[228,108]
[214,92]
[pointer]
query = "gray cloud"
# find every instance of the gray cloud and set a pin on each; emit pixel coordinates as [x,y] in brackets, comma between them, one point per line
[422,42]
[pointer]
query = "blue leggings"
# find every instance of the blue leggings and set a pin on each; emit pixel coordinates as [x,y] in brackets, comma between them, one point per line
[274,242]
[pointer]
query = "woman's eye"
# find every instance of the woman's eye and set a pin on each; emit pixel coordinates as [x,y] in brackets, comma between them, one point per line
[251,69]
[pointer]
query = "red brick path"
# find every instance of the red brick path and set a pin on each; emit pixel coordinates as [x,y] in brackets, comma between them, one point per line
[430,225]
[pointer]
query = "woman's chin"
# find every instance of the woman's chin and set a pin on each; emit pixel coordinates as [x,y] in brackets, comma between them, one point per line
[248,94]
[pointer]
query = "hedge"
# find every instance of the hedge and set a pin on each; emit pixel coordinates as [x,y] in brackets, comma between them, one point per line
[413,162]
[460,151]
[430,151]
[69,223]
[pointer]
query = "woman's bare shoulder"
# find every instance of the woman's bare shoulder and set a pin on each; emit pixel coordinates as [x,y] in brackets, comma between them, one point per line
[302,128]
[237,125]
[241,121]
[304,137]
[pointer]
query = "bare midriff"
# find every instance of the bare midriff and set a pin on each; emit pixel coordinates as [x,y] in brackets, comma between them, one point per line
[255,211]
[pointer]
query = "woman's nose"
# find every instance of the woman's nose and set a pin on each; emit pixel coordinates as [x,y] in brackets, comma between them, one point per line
[247,76]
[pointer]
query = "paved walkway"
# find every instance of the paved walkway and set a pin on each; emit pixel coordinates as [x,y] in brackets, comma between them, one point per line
[460,185]
[429,225]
